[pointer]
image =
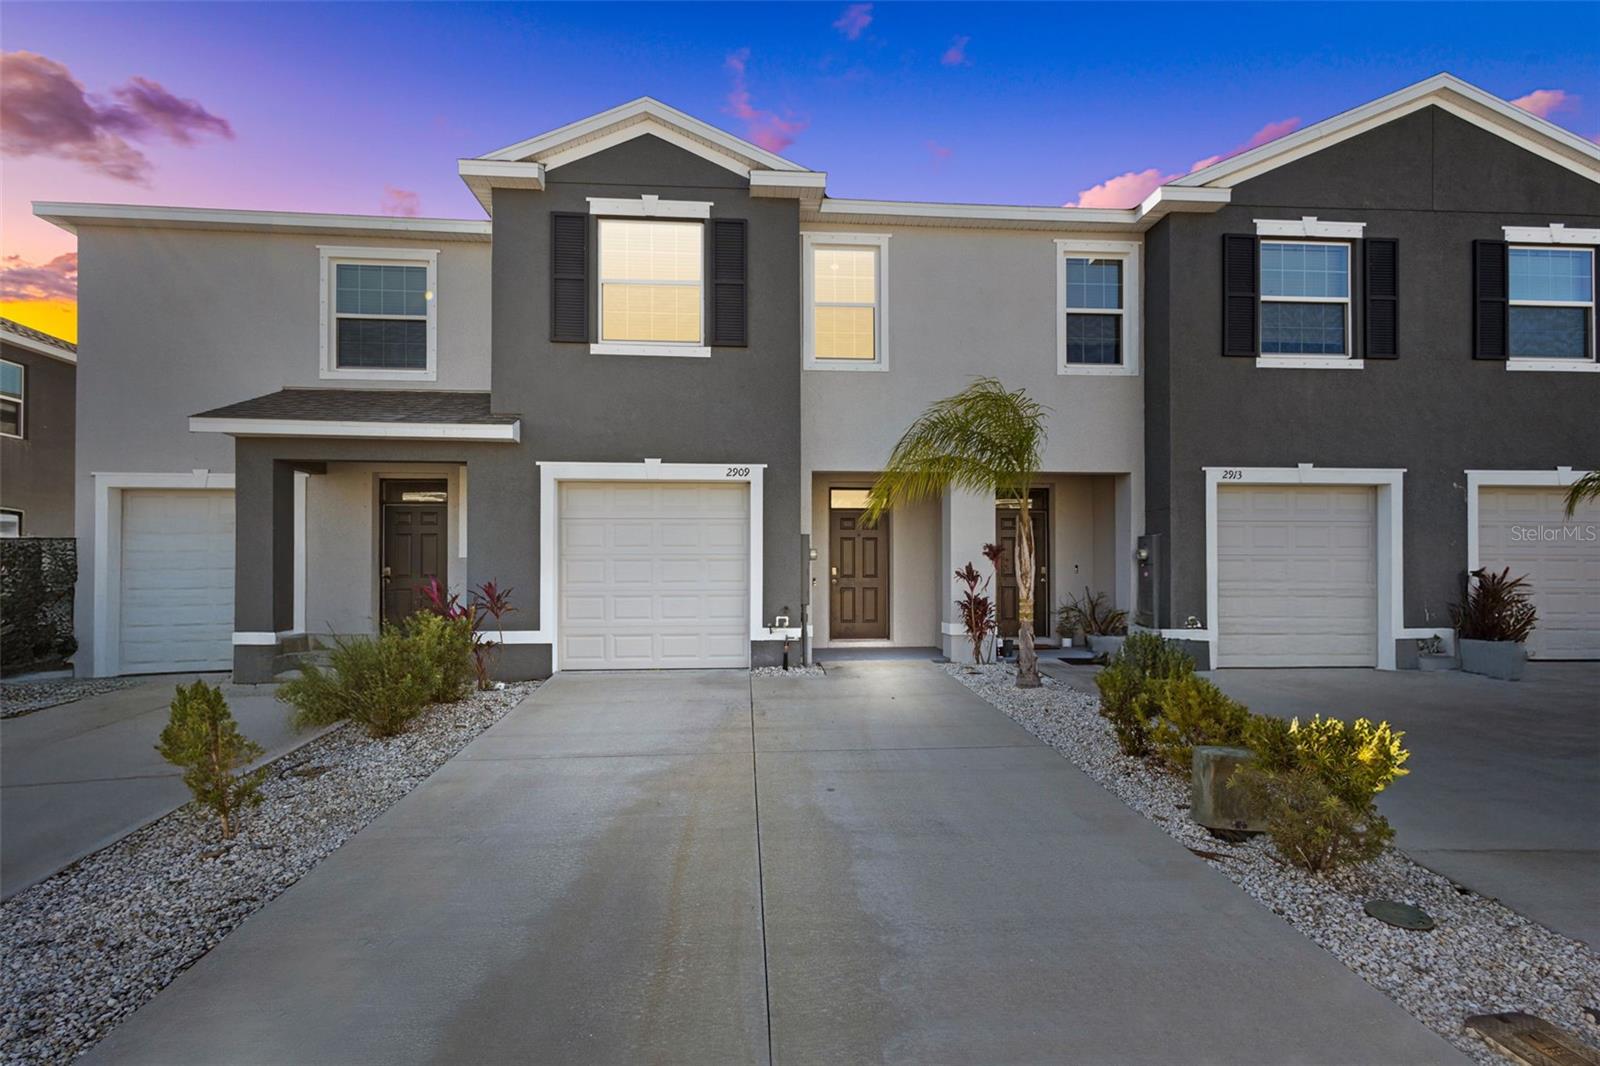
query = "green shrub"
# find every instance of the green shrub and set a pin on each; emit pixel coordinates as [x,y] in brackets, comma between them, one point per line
[1129,687]
[442,653]
[1495,607]
[1192,711]
[1316,786]
[377,683]
[1310,824]
[202,737]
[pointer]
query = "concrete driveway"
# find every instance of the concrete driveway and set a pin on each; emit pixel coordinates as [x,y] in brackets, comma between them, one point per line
[76,777]
[1504,793]
[698,868]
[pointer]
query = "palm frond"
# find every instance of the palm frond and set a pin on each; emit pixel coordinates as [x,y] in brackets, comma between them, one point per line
[985,438]
[1586,487]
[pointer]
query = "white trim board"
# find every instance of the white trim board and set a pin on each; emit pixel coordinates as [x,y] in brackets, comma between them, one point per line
[1309,227]
[1554,233]
[505,432]
[648,206]
[107,491]
[1132,313]
[331,257]
[69,216]
[1389,483]
[551,474]
[809,241]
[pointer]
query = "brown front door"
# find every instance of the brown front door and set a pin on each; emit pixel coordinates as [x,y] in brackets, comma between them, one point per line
[1005,533]
[415,522]
[858,577]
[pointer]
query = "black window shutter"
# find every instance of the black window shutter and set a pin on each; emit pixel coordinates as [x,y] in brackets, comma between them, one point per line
[1491,285]
[1241,286]
[1382,288]
[569,276]
[730,269]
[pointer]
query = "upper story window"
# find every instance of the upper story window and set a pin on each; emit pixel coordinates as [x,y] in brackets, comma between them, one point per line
[1551,303]
[1305,298]
[1097,307]
[10,523]
[844,287]
[652,282]
[379,313]
[11,398]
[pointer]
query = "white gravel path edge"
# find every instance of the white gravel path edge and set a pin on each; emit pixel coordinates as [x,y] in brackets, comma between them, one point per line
[1482,957]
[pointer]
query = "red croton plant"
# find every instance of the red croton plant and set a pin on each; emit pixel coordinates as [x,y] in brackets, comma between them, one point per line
[487,601]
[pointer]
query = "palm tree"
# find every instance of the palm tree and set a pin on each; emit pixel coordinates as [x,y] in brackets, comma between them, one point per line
[983,439]
[1586,487]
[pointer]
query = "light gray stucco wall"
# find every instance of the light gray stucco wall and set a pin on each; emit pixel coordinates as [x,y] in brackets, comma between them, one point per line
[176,321]
[36,471]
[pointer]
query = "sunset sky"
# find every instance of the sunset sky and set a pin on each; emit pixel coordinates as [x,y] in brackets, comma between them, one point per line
[364,108]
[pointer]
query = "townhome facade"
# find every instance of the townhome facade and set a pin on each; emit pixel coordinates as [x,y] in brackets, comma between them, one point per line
[38,374]
[648,393]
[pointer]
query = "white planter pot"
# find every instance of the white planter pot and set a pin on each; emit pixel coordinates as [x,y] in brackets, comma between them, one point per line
[1493,658]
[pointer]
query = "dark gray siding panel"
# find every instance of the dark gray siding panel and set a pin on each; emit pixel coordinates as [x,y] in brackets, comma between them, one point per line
[36,472]
[1436,412]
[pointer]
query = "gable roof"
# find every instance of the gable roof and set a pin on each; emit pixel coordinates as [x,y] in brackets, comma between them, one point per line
[37,341]
[1445,91]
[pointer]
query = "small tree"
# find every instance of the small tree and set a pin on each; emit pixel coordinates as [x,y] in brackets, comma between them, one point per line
[202,737]
[975,609]
[985,439]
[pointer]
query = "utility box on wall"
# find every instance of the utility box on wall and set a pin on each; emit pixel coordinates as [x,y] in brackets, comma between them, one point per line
[1147,561]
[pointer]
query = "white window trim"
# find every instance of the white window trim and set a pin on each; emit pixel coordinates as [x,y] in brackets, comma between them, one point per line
[332,255]
[682,349]
[1554,233]
[21,519]
[1320,360]
[551,475]
[1132,316]
[809,243]
[21,401]
[1557,233]
[649,207]
[1309,362]
[108,489]
[1309,227]
[1389,483]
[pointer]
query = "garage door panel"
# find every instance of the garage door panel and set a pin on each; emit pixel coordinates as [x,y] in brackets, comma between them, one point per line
[175,587]
[1297,576]
[669,565]
[1527,531]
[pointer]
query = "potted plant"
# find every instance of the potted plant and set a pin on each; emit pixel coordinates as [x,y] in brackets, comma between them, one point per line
[1105,626]
[1492,623]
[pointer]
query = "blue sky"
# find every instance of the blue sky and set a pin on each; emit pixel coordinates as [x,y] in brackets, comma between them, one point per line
[365,107]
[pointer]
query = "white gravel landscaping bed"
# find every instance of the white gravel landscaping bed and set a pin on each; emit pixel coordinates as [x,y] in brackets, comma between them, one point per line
[814,670]
[25,697]
[1481,958]
[89,946]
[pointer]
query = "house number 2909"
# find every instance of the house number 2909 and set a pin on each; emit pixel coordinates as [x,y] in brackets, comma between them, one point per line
[738,471]
[1233,475]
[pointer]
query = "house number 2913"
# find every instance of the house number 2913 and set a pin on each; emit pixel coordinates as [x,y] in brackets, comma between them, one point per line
[738,471]
[1233,475]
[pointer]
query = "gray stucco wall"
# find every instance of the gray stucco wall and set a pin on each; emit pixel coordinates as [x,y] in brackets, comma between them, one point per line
[36,471]
[1435,183]
[176,321]
[740,406]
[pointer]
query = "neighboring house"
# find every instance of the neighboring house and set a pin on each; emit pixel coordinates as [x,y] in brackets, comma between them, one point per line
[670,365]
[37,374]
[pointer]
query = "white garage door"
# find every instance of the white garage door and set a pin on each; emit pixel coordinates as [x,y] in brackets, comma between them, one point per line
[176,594]
[654,574]
[1527,530]
[1297,576]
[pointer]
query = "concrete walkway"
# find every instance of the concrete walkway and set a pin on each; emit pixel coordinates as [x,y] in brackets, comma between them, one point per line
[1504,794]
[76,777]
[590,882]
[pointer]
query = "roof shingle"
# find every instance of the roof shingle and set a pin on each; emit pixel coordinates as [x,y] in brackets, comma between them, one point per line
[367,405]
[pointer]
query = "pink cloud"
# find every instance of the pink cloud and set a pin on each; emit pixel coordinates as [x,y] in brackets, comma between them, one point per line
[1130,189]
[397,201]
[940,152]
[765,128]
[956,54]
[1545,102]
[854,21]
[55,280]
[45,111]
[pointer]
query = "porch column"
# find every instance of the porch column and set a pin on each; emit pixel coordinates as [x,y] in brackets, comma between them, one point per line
[966,525]
[263,582]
